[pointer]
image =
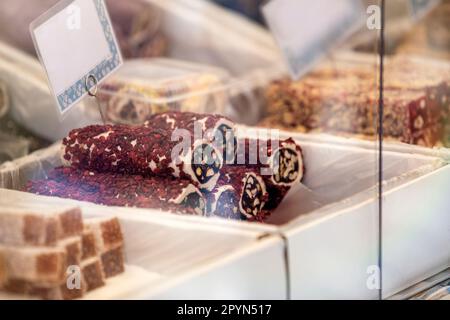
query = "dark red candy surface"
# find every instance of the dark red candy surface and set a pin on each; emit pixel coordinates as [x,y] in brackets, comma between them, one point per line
[114,189]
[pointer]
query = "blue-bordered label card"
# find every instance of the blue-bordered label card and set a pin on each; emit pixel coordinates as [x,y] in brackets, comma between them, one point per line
[307,30]
[75,39]
[420,8]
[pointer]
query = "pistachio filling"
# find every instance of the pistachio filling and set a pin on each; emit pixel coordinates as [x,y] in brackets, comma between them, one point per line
[286,166]
[227,142]
[227,206]
[252,198]
[205,163]
[195,201]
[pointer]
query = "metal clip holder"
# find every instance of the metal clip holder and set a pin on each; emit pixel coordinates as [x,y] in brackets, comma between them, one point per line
[92,91]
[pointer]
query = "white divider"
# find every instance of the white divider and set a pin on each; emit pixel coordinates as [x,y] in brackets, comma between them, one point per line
[178,258]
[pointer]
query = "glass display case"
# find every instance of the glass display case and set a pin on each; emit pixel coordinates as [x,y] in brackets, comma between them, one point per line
[213,167]
[416,77]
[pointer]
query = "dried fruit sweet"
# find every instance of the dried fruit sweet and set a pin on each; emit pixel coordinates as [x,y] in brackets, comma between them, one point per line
[240,194]
[278,162]
[143,150]
[216,129]
[116,189]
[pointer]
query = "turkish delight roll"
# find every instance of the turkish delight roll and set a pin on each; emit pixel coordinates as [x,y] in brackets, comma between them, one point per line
[278,162]
[4,103]
[143,150]
[240,194]
[214,128]
[115,189]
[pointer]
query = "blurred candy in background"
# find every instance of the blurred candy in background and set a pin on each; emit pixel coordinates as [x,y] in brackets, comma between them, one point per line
[136,24]
[249,8]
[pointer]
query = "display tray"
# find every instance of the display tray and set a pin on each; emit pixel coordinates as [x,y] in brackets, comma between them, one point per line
[330,222]
[425,289]
[333,248]
[121,286]
[170,256]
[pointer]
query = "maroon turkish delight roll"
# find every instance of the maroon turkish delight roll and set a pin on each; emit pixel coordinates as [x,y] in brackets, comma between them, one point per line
[239,194]
[115,189]
[278,162]
[143,150]
[214,128]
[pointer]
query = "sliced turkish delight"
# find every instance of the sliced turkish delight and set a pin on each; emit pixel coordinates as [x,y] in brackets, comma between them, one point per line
[38,225]
[45,265]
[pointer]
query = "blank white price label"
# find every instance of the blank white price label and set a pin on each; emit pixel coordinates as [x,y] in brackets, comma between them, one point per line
[75,39]
[420,8]
[305,30]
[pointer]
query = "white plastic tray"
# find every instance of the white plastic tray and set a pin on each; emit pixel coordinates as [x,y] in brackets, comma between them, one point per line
[169,256]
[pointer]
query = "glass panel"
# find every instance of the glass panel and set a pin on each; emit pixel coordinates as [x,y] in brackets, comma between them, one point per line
[299,158]
[332,112]
[416,125]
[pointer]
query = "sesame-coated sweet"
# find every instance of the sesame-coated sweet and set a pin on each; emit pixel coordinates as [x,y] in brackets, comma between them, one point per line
[115,189]
[143,150]
[240,194]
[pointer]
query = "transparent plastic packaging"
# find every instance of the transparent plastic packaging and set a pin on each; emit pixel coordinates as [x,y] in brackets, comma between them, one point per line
[144,87]
[12,147]
[136,24]
[4,100]
[219,37]
[15,142]
[173,85]
[211,35]
[31,104]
